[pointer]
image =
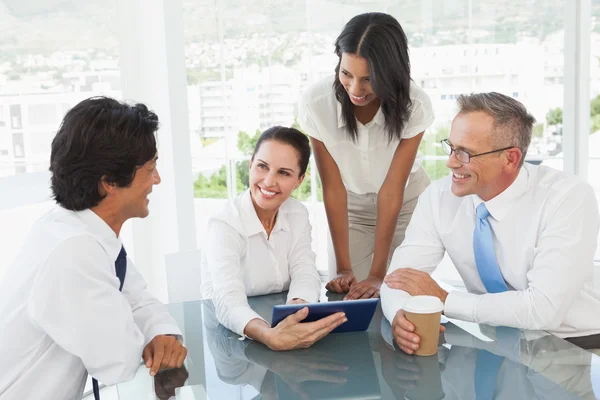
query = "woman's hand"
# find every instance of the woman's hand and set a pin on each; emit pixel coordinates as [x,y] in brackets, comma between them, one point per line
[297,301]
[365,289]
[292,334]
[342,282]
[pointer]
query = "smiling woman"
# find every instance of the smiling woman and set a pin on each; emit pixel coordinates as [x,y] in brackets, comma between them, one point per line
[366,124]
[277,168]
[260,243]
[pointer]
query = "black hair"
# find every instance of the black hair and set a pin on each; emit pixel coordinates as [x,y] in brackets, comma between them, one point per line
[290,136]
[378,38]
[99,138]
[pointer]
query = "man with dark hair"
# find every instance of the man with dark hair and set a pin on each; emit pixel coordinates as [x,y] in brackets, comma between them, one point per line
[72,303]
[521,236]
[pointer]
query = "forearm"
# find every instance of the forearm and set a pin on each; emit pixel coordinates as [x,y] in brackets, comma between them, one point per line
[392,300]
[305,284]
[336,208]
[388,209]
[526,309]
[150,315]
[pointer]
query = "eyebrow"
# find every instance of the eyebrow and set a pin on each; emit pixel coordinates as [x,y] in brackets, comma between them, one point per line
[460,148]
[345,70]
[267,164]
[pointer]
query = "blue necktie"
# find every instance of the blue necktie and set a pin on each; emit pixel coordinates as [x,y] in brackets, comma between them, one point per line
[485,257]
[120,270]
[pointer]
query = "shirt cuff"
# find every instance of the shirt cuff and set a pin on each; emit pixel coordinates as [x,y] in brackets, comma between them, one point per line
[164,329]
[240,317]
[461,305]
[310,296]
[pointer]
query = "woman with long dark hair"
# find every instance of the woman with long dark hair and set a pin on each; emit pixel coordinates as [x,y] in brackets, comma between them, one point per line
[365,125]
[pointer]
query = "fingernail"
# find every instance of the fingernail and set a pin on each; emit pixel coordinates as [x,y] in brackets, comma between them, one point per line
[152,373]
[415,340]
[345,320]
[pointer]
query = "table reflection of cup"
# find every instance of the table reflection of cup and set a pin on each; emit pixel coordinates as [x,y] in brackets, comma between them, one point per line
[429,385]
[425,313]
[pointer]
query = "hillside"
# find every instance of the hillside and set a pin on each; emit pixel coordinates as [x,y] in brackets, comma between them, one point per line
[49,25]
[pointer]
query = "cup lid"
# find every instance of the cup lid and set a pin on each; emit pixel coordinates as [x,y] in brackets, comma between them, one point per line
[423,305]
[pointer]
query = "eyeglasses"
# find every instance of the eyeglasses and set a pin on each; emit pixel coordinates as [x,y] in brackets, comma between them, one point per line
[463,156]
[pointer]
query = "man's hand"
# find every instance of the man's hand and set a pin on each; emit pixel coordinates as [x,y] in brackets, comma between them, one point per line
[342,282]
[404,336]
[415,283]
[365,289]
[163,351]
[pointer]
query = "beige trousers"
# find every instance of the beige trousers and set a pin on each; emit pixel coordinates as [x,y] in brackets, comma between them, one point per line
[362,214]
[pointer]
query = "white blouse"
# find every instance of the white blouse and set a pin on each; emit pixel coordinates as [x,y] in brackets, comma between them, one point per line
[363,164]
[239,261]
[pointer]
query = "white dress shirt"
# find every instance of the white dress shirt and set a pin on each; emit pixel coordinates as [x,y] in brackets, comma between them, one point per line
[62,315]
[363,164]
[239,260]
[545,229]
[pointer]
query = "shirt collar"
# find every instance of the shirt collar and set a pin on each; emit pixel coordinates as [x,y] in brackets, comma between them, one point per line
[378,119]
[500,205]
[101,231]
[250,221]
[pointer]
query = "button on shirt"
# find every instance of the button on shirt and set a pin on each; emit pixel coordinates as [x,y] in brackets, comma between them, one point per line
[545,229]
[363,164]
[62,315]
[239,260]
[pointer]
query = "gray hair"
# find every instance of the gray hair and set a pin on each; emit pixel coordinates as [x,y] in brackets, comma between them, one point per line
[513,125]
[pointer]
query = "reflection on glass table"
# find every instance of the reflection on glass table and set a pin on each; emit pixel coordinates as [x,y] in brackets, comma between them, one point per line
[479,363]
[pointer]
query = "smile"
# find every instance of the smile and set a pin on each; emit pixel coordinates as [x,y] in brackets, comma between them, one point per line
[459,177]
[356,98]
[266,192]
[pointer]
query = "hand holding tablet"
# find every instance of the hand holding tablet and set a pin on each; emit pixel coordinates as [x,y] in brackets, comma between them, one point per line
[358,312]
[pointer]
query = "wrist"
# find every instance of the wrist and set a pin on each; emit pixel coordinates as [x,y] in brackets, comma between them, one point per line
[443,296]
[270,339]
[378,271]
[257,329]
[341,270]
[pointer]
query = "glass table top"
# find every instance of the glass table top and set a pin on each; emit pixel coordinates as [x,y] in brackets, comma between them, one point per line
[473,362]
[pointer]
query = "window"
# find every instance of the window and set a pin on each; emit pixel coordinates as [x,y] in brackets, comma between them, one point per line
[593,172]
[49,69]
[43,114]
[268,53]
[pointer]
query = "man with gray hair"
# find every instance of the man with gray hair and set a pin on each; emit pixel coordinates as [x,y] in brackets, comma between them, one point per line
[521,236]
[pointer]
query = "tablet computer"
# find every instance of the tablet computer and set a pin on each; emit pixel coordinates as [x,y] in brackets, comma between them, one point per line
[358,312]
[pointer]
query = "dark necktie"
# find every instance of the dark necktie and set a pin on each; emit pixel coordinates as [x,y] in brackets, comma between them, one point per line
[120,270]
